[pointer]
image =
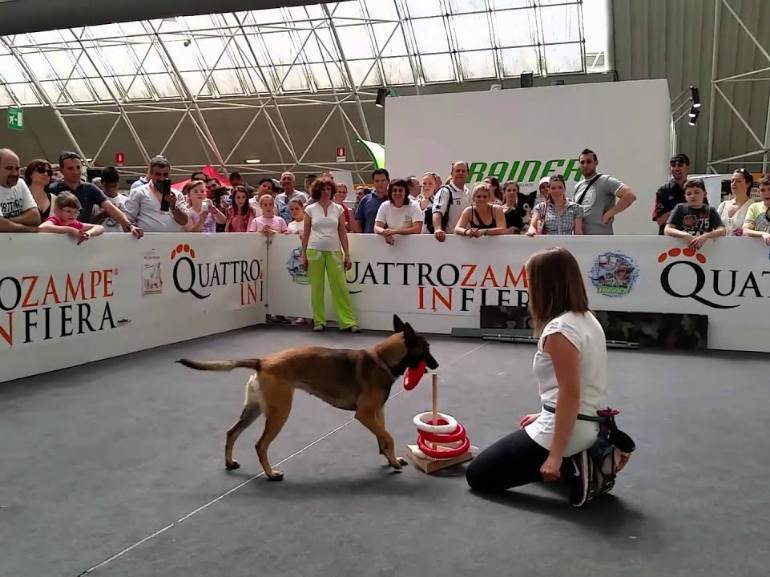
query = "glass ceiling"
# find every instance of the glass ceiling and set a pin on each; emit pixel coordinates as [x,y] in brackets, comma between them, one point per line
[338,46]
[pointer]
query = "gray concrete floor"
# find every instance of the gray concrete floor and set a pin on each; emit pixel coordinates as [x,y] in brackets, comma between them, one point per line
[118,467]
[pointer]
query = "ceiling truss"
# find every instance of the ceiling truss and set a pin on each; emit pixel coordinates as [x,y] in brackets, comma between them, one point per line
[333,55]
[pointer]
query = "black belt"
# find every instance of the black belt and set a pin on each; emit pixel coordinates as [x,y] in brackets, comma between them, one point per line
[580,417]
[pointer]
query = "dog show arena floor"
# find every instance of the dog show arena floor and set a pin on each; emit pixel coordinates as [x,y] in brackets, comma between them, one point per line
[116,469]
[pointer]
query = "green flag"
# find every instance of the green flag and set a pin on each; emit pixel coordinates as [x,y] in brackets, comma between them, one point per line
[376,151]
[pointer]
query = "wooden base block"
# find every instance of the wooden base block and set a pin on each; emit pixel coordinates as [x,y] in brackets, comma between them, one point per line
[431,466]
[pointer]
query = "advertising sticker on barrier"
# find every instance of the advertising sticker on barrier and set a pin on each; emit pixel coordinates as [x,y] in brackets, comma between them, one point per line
[63,305]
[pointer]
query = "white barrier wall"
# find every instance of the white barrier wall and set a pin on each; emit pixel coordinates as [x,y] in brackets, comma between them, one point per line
[441,286]
[525,134]
[63,305]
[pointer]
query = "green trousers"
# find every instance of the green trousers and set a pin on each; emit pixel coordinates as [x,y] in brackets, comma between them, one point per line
[321,264]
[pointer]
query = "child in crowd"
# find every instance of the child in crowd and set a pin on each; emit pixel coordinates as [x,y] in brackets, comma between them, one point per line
[64,220]
[695,221]
[202,212]
[109,184]
[268,223]
[297,210]
[757,221]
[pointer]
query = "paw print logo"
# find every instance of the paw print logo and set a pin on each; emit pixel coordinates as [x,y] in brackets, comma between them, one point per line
[691,281]
[675,252]
[182,249]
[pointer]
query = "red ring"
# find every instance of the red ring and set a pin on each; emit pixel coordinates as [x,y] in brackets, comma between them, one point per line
[445,454]
[457,435]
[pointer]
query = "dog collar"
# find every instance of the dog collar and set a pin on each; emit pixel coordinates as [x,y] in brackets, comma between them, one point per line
[387,368]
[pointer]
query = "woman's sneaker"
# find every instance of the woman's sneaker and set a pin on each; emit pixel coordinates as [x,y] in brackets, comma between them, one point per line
[353,329]
[577,472]
[319,328]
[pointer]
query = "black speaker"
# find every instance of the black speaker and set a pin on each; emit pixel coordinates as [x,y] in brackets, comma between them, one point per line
[92,173]
[527,79]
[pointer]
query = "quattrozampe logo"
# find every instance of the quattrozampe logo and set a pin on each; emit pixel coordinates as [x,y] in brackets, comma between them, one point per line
[687,276]
[525,171]
[200,278]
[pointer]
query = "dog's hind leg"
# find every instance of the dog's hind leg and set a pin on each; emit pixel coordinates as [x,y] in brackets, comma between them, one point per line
[251,411]
[277,406]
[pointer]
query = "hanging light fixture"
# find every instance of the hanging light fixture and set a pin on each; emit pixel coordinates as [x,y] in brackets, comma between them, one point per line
[695,96]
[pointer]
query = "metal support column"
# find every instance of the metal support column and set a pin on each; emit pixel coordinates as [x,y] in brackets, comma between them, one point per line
[716,91]
[713,97]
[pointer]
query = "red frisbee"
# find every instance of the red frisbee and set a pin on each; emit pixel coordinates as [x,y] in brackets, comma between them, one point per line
[413,376]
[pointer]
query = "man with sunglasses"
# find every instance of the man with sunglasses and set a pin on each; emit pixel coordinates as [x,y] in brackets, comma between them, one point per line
[88,194]
[18,210]
[671,193]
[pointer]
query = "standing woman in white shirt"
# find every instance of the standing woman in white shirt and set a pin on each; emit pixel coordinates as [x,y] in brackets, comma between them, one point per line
[571,368]
[325,253]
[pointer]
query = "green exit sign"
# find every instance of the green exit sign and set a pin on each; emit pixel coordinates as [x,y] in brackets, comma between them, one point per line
[15,119]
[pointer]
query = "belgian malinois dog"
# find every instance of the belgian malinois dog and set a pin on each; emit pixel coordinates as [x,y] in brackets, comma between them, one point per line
[354,380]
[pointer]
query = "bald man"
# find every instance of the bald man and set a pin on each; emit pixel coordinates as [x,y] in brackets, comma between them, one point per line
[18,210]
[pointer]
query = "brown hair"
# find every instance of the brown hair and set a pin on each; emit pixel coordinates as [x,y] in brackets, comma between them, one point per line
[765,180]
[33,166]
[243,210]
[66,199]
[190,185]
[695,183]
[555,286]
[494,187]
[318,187]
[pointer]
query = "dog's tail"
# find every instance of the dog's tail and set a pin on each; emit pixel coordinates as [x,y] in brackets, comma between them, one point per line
[253,364]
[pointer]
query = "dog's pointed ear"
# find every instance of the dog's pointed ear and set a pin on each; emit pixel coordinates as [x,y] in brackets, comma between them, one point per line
[409,336]
[398,324]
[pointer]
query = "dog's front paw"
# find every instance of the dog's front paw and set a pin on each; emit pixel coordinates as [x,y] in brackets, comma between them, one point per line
[232,465]
[276,476]
[398,464]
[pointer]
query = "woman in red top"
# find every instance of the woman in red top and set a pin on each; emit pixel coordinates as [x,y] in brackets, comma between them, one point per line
[241,213]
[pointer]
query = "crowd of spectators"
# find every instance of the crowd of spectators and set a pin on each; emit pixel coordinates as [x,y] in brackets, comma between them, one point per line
[390,208]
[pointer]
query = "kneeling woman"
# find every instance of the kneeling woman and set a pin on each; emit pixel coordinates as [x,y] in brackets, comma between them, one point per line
[571,368]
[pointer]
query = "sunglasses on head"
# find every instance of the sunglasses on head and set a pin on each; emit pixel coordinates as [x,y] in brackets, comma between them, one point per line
[44,170]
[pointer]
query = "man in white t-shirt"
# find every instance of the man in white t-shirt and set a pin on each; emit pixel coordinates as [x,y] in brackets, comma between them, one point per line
[18,210]
[453,197]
